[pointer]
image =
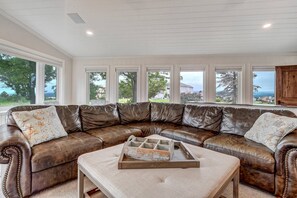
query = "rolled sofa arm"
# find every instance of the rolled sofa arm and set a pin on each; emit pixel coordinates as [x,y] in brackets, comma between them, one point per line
[16,152]
[286,166]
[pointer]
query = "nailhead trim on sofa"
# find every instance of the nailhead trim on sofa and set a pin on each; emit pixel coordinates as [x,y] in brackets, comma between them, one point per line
[7,170]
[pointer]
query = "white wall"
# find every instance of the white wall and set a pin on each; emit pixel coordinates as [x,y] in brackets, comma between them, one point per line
[210,61]
[14,33]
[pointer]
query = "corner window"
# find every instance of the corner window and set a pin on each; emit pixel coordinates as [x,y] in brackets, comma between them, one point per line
[191,86]
[158,86]
[127,87]
[227,86]
[264,87]
[97,87]
[17,81]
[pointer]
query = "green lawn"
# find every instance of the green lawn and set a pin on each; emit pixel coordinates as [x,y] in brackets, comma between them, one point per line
[126,100]
[159,100]
[11,103]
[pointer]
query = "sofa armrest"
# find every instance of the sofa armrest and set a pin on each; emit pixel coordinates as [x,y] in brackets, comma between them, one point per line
[286,166]
[16,152]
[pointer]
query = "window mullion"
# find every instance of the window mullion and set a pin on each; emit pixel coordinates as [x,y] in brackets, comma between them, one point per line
[40,68]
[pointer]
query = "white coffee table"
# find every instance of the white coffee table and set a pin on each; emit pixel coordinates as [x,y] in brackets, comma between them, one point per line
[216,171]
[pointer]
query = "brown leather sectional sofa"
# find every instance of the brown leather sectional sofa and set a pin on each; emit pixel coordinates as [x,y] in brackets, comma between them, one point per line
[220,128]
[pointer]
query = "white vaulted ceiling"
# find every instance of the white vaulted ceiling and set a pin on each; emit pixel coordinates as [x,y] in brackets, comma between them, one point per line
[161,27]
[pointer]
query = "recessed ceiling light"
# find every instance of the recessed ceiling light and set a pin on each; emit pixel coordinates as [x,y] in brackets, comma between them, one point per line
[89,33]
[267,25]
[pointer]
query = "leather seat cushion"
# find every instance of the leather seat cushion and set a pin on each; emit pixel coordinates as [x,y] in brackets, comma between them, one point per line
[150,128]
[63,150]
[111,136]
[189,135]
[251,154]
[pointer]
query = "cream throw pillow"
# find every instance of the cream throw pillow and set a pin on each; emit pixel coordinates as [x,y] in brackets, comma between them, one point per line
[270,128]
[40,125]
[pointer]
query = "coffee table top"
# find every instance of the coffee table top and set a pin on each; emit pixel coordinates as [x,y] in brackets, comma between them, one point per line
[101,167]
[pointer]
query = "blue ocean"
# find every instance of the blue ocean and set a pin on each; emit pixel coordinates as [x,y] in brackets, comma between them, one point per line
[260,94]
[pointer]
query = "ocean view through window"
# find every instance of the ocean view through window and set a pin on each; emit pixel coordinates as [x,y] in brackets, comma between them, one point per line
[264,87]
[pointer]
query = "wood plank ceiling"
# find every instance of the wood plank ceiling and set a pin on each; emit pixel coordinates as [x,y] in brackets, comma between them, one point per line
[161,27]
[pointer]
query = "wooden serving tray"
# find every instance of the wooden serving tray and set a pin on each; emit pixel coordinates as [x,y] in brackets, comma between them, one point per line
[182,158]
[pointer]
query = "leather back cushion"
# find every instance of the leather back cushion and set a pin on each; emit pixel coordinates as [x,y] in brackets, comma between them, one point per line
[69,116]
[280,112]
[239,120]
[203,117]
[163,112]
[134,112]
[99,116]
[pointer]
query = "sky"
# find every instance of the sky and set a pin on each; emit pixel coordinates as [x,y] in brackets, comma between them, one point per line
[195,79]
[266,80]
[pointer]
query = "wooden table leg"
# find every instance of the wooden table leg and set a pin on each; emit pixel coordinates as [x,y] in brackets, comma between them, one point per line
[80,184]
[236,184]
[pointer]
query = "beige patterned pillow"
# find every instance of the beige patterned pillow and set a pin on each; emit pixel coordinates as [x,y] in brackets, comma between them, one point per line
[270,128]
[40,125]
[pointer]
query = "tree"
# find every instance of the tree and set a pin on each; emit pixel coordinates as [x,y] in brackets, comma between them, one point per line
[128,86]
[96,91]
[20,75]
[50,74]
[229,81]
[157,83]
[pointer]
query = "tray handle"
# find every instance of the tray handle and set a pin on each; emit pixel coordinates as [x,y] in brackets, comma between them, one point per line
[130,138]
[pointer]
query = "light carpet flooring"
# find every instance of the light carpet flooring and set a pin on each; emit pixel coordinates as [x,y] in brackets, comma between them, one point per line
[69,190]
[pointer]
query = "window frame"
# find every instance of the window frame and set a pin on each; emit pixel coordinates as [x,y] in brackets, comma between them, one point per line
[90,69]
[161,68]
[192,68]
[241,79]
[251,84]
[119,69]
[41,60]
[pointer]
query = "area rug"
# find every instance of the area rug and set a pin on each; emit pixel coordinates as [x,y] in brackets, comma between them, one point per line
[69,190]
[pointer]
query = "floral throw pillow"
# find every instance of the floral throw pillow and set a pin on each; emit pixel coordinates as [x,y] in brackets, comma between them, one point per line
[40,125]
[270,128]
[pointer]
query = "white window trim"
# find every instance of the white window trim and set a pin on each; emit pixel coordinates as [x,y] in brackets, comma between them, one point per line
[155,68]
[130,68]
[90,69]
[193,68]
[40,69]
[29,54]
[242,75]
[40,58]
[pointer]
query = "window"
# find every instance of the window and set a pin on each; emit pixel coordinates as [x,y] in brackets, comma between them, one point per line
[158,86]
[191,86]
[50,84]
[227,86]
[264,87]
[97,87]
[17,81]
[127,87]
